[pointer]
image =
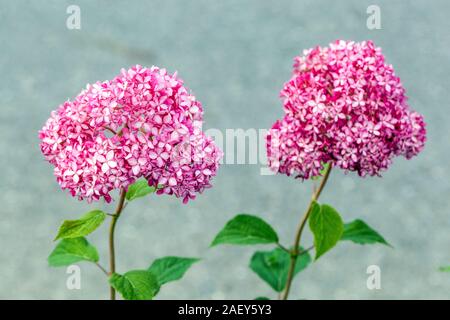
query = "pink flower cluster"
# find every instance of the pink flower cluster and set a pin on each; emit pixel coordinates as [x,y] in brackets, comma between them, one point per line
[345,106]
[143,123]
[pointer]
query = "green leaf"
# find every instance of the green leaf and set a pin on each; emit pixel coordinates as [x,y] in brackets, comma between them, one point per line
[69,251]
[135,285]
[262,298]
[327,227]
[273,266]
[359,232]
[171,268]
[246,229]
[445,269]
[81,227]
[139,189]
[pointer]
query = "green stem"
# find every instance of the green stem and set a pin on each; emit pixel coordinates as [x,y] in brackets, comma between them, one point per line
[112,254]
[295,253]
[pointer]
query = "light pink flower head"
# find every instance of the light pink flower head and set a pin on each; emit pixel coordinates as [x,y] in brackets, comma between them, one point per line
[130,127]
[344,105]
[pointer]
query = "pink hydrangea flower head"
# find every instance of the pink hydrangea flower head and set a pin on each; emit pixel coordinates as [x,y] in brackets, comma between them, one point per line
[343,105]
[133,126]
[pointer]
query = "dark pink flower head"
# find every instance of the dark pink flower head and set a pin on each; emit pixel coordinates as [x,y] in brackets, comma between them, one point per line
[345,106]
[136,125]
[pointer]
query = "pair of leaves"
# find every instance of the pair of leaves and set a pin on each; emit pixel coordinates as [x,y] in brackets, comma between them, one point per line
[133,285]
[273,266]
[145,284]
[328,228]
[74,247]
[246,229]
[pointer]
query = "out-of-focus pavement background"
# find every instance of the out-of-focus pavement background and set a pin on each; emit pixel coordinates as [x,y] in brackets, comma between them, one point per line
[235,56]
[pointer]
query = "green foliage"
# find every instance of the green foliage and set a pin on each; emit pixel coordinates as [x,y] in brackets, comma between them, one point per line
[359,232]
[246,229]
[170,268]
[139,189]
[273,266]
[81,227]
[145,284]
[135,284]
[69,251]
[445,269]
[326,226]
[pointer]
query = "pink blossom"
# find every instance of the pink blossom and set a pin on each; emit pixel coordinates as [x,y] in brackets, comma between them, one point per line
[345,106]
[130,127]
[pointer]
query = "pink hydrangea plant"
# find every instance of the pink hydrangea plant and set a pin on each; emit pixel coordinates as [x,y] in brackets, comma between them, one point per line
[345,106]
[143,123]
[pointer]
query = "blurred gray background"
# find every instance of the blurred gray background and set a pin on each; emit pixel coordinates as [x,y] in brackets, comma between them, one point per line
[235,56]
